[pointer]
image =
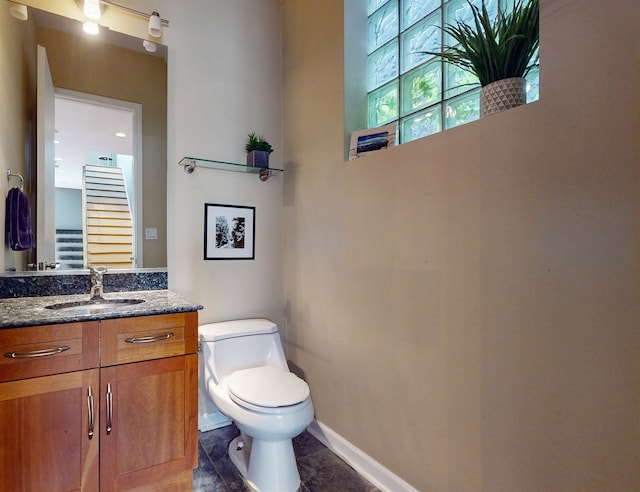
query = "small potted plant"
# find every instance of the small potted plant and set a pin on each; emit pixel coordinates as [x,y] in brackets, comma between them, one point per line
[258,150]
[499,52]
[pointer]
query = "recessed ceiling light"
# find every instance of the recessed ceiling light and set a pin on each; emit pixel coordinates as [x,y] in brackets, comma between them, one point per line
[56,141]
[149,46]
[121,134]
[91,28]
[58,159]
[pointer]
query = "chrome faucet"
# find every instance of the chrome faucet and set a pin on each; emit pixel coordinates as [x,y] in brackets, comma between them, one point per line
[96,281]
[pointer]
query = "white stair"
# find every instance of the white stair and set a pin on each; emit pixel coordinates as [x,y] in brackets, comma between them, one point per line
[69,249]
[107,218]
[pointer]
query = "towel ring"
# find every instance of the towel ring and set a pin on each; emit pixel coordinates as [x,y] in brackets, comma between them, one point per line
[15,175]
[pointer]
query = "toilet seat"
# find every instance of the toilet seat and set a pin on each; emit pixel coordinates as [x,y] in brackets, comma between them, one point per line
[266,389]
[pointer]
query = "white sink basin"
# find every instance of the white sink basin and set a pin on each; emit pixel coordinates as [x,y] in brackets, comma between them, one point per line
[93,305]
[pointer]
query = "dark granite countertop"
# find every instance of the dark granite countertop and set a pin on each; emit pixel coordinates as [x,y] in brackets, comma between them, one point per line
[31,311]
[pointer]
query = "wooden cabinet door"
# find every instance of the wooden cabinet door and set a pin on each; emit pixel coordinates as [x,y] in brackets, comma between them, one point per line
[149,429]
[45,430]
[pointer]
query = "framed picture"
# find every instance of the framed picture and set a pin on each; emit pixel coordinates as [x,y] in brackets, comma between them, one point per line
[364,142]
[229,232]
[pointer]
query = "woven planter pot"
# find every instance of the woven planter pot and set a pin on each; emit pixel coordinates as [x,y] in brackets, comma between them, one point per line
[502,95]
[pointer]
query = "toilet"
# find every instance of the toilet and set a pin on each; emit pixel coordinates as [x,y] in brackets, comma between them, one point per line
[247,378]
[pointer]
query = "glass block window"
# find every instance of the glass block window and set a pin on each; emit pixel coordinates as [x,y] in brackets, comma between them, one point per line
[420,92]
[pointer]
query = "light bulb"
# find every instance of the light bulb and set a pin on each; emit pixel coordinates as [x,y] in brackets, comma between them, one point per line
[92,9]
[91,28]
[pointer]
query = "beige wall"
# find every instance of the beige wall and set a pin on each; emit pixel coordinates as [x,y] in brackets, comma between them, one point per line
[465,307]
[114,72]
[17,116]
[225,81]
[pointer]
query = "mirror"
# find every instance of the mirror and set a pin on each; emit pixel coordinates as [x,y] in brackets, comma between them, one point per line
[110,67]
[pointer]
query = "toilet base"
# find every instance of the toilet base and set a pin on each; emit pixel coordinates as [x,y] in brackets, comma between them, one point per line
[267,466]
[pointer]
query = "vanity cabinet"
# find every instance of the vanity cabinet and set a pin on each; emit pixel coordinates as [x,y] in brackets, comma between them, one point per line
[106,405]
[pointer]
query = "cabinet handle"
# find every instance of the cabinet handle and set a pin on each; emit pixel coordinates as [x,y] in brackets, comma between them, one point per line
[37,353]
[90,407]
[149,339]
[109,408]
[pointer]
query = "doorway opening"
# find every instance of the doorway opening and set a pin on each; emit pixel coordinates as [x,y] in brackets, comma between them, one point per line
[92,134]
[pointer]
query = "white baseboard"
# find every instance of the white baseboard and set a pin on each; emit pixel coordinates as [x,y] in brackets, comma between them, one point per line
[364,464]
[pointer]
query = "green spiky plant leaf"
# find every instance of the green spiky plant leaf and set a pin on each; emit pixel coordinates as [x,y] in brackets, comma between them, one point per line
[495,50]
[257,142]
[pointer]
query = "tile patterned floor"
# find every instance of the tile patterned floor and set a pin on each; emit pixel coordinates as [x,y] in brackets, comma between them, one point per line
[320,469]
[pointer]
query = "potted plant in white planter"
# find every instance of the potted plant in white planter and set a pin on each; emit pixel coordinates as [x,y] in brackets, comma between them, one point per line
[258,150]
[499,52]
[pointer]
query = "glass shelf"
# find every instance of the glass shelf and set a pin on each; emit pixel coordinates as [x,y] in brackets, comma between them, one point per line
[190,164]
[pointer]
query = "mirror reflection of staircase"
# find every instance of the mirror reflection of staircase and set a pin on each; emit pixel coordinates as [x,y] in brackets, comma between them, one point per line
[69,249]
[107,218]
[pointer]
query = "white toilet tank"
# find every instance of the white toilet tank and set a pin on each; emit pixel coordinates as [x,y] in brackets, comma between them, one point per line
[229,346]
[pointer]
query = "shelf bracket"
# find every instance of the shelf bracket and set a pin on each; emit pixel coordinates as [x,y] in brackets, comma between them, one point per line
[264,174]
[189,165]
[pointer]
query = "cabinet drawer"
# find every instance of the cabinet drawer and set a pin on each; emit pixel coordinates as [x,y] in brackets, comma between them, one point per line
[52,349]
[148,337]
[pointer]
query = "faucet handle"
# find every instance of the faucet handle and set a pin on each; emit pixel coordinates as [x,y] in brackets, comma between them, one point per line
[101,269]
[96,274]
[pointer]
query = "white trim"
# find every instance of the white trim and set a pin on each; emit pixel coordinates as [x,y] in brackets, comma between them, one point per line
[364,464]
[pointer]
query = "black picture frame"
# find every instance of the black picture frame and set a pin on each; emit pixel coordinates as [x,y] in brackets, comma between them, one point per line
[229,232]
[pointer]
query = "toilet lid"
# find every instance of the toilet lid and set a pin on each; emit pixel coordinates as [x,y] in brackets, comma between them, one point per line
[267,386]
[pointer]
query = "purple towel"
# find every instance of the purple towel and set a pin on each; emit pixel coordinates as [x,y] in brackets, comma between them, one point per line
[17,228]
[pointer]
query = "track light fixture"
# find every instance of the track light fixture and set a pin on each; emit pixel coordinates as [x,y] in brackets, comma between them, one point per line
[91,9]
[18,11]
[155,25]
